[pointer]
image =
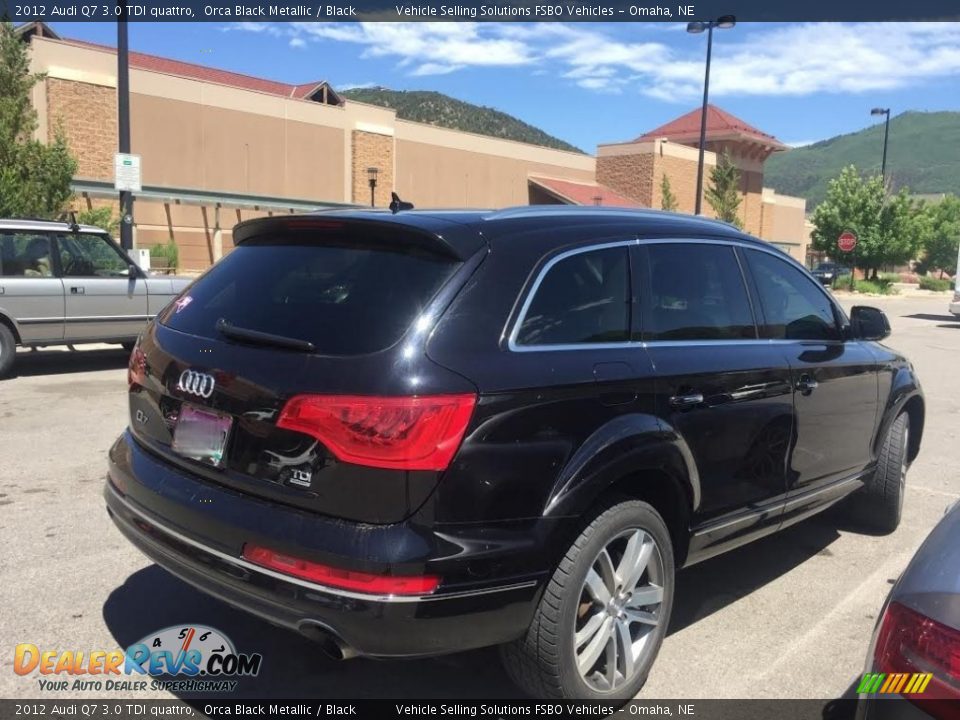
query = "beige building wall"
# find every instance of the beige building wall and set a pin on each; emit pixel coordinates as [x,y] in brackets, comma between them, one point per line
[201,136]
[636,169]
[437,167]
[372,150]
[784,223]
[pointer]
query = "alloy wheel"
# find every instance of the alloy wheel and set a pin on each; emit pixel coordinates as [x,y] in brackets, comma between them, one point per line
[619,611]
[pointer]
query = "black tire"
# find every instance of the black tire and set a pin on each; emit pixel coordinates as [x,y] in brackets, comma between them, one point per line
[8,350]
[544,661]
[128,346]
[879,505]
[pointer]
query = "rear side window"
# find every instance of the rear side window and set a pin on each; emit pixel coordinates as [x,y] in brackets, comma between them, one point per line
[582,298]
[25,254]
[794,306]
[346,300]
[696,293]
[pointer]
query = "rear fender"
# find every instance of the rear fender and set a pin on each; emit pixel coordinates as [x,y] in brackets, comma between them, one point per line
[625,446]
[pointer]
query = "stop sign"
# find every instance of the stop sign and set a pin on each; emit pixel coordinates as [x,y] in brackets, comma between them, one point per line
[847,241]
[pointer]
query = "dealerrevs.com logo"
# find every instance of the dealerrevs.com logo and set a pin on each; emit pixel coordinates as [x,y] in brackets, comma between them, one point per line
[200,658]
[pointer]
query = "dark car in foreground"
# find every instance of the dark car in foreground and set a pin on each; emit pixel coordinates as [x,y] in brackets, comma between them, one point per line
[828,273]
[913,665]
[425,432]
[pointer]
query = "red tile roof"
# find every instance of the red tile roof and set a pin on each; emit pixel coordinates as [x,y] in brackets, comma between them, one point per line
[719,123]
[155,63]
[576,193]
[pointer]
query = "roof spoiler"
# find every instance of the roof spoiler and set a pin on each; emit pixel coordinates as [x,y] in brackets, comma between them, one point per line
[367,231]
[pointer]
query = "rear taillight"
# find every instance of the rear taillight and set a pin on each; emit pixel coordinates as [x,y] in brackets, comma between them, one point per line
[137,367]
[400,433]
[909,642]
[339,578]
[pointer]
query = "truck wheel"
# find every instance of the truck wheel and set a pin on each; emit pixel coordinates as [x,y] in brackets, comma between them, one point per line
[879,505]
[603,614]
[8,350]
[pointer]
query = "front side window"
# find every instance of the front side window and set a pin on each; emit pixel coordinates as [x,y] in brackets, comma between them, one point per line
[582,298]
[794,306]
[24,254]
[84,255]
[696,293]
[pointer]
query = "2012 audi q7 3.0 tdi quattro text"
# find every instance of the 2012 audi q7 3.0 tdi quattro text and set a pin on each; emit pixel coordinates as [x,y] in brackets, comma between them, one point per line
[427,432]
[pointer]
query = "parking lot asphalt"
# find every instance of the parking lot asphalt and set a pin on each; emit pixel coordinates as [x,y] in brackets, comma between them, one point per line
[788,616]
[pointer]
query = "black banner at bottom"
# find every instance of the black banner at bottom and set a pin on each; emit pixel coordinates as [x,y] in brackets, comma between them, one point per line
[113,709]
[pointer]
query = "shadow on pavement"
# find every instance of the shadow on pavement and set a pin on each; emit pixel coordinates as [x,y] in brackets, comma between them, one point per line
[936,318]
[710,586]
[60,362]
[294,667]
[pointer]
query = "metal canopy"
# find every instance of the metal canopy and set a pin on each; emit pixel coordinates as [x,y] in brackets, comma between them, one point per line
[190,196]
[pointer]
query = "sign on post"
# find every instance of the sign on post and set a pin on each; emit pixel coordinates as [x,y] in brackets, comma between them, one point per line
[847,241]
[126,172]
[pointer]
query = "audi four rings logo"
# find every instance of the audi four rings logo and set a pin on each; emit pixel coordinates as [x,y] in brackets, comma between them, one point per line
[196,383]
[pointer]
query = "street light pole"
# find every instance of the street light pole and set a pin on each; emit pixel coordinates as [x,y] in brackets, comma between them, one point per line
[886,136]
[372,176]
[703,121]
[725,22]
[123,121]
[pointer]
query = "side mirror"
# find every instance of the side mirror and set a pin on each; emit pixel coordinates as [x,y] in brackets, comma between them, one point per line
[868,323]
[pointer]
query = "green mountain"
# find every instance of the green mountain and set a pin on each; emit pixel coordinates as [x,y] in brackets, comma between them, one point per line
[438,109]
[923,154]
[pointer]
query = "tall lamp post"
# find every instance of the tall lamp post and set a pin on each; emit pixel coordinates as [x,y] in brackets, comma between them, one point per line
[372,175]
[123,121]
[886,135]
[724,22]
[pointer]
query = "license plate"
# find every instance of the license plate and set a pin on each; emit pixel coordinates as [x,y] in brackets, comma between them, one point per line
[201,435]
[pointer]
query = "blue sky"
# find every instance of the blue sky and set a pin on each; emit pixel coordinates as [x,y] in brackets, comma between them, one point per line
[590,83]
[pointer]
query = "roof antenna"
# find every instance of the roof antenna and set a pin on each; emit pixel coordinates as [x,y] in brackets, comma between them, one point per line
[396,204]
[74,227]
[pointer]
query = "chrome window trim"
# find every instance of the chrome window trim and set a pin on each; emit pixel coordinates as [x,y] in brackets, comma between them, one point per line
[253,567]
[512,343]
[528,300]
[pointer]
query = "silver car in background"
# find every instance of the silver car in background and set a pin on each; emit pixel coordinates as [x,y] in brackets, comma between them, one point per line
[70,284]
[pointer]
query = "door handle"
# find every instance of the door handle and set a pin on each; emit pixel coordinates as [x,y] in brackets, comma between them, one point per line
[685,402]
[806,384]
[77,290]
[2,289]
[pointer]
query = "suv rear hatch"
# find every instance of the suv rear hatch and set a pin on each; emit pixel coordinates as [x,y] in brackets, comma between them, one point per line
[326,313]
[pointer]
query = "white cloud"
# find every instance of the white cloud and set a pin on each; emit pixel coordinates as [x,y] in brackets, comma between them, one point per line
[800,143]
[297,42]
[435,69]
[751,59]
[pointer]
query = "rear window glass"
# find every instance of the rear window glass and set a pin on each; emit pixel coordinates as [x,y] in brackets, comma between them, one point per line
[344,300]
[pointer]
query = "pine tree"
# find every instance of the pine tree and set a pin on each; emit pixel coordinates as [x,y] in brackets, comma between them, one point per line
[668,201]
[724,191]
[34,177]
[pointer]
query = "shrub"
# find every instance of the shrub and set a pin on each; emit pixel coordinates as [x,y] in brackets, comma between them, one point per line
[875,287]
[932,283]
[168,251]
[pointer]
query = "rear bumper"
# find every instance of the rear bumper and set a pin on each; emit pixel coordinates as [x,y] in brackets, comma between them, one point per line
[955,307]
[196,530]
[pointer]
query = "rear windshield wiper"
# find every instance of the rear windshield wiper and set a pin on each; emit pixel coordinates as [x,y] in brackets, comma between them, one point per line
[263,338]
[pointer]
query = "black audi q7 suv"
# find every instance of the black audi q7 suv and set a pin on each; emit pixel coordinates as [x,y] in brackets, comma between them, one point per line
[424,432]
